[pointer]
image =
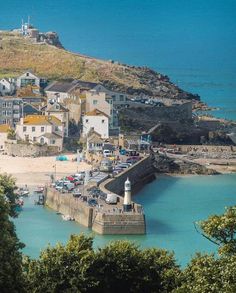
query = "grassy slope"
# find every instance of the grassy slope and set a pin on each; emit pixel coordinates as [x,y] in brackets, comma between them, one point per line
[18,54]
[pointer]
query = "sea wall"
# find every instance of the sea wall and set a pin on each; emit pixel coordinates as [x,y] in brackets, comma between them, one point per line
[129,223]
[69,205]
[139,174]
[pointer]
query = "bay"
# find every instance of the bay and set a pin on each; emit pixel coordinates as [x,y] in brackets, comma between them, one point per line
[191,41]
[171,205]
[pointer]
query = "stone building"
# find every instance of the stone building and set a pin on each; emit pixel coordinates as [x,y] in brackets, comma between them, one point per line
[41,129]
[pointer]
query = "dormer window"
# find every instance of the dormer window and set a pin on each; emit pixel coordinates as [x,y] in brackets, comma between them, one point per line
[27,74]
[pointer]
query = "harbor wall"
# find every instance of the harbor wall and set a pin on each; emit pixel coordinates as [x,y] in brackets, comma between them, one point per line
[69,205]
[129,223]
[139,174]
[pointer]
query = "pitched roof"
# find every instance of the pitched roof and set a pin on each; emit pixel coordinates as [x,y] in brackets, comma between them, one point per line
[51,135]
[67,86]
[4,128]
[41,120]
[61,86]
[96,112]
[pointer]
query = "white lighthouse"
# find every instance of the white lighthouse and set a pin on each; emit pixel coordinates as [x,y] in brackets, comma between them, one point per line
[127,206]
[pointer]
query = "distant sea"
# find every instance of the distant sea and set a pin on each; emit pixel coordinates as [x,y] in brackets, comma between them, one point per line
[194,42]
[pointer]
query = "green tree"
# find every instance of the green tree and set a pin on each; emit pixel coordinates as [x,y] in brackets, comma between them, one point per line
[61,268]
[11,134]
[11,277]
[208,274]
[221,230]
[119,266]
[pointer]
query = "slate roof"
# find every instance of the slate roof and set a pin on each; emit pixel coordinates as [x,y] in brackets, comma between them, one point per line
[67,86]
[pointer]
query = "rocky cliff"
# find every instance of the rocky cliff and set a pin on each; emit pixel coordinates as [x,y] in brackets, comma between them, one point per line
[49,59]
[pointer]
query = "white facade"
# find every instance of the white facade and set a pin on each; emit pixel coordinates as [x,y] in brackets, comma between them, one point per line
[27,78]
[3,138]
[61,113]
[6,87]
[100,124]
[43,131]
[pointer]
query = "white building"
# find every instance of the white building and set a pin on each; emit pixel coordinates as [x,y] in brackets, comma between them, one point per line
[98,121]
[7,87]
[102,102]
[41,129]
[60,112]
[94,142]
[3,136]
[28,78]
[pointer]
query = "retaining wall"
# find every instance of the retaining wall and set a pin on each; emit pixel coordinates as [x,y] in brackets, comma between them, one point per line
[29,150]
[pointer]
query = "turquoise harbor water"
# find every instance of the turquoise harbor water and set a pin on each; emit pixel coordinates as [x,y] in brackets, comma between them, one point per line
[171,204]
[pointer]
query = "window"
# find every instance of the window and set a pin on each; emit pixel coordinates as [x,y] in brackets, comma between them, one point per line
[3,87]
[42,129]
[103,121]
[24,129]
[34,138]
[33,129]
[95,102]
[4,113]
[27,74]
[9,113]
[9,104]
[56,128]
[86,121]
[4,104]
[113,98]
[42,140]
[53,141]
[121,98]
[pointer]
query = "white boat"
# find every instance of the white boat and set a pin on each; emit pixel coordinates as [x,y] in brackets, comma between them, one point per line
[23,192]
[40,189]
[67,218]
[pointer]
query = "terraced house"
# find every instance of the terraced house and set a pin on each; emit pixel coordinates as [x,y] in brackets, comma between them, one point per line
[41,129]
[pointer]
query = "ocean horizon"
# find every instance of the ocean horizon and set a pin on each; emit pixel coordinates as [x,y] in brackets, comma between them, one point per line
[192,42]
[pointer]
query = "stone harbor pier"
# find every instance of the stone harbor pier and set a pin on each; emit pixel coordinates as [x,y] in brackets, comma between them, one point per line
[125,217]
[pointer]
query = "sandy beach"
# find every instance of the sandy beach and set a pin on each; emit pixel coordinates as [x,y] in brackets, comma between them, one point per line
[37,171]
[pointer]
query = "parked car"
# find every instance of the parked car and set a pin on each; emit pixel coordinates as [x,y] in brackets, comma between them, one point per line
[107,153]
[92,202]
[111,198]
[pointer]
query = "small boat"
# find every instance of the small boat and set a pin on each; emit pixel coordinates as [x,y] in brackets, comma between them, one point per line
[23,192]
[19,204]
[40,189]
[40,200]
[67,218]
